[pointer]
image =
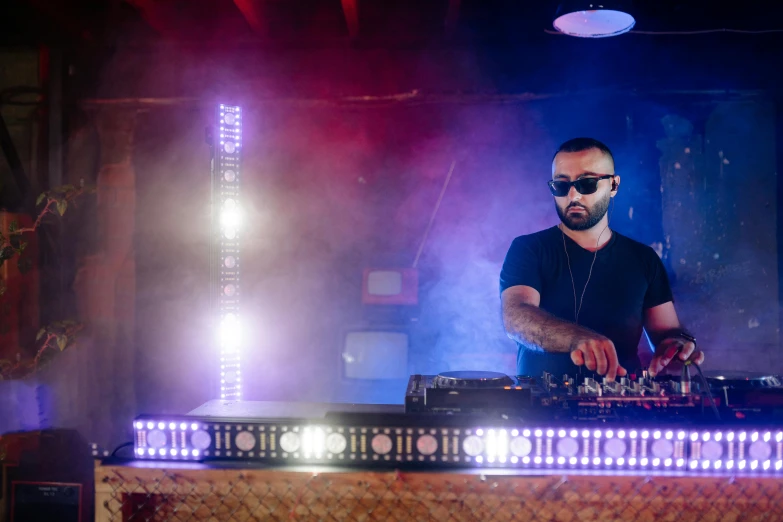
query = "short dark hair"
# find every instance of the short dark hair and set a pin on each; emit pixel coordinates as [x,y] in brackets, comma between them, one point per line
[580,144]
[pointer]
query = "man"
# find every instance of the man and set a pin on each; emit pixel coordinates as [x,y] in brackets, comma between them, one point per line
[580,293]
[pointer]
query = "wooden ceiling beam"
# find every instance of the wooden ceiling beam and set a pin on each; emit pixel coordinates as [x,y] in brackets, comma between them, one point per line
[351,13]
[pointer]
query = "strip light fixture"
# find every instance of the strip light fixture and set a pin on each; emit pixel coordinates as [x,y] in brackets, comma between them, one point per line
[227,221]
[751,450]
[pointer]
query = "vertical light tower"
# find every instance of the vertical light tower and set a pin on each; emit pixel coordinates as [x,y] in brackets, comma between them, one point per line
[227,220]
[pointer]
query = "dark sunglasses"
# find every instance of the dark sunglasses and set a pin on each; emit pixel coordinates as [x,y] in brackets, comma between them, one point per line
[582,185]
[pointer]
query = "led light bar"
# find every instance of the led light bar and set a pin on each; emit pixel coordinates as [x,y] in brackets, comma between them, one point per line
[227,223]
[298,441]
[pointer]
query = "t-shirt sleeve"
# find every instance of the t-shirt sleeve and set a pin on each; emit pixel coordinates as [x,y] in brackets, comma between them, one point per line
[658,290]
[521,266]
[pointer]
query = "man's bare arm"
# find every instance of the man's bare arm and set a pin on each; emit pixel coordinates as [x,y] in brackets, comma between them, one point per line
[537,329]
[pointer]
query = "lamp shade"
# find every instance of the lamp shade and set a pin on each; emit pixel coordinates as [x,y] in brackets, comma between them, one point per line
[594,18]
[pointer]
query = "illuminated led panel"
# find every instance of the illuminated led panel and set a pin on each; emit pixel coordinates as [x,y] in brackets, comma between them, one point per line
[539,448]
[228,226]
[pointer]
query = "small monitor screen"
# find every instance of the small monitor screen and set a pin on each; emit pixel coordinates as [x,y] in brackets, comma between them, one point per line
[372,355]
[384,282]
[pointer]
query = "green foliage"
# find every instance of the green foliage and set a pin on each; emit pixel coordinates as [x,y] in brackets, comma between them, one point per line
[53,338]
[59,334]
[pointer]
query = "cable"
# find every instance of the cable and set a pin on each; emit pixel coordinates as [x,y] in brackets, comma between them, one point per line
[118,448]
[706,388]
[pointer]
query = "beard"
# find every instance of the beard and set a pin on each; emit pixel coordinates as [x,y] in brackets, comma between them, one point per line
[587,220]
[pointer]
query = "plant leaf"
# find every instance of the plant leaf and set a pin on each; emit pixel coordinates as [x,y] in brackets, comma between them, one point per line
[62,342]
[24,264]
[6,253]
[40,199]
[40,334]
[13,226]
[61,206]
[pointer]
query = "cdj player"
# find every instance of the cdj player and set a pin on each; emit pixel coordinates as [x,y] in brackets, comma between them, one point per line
[733,396]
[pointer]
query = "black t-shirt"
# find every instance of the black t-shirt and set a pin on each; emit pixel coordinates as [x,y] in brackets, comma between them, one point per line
[628,277]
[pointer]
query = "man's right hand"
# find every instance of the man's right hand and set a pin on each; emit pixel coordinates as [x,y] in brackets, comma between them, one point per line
[597,353]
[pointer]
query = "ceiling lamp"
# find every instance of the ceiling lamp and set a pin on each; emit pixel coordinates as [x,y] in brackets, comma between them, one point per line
[594,19]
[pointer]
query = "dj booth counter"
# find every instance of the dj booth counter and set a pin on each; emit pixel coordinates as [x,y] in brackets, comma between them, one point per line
[240,490]
[180,491]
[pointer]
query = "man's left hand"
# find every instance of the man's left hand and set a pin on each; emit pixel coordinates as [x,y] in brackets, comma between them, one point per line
[671,347]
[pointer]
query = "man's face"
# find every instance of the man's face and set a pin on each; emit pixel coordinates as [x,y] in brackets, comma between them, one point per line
[583,211]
